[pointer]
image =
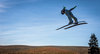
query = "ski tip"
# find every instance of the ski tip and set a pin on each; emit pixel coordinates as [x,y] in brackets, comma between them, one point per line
[86,23]
[83,23]
[57,29]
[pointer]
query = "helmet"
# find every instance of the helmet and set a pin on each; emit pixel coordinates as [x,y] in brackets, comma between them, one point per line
[64,7]
[63,10]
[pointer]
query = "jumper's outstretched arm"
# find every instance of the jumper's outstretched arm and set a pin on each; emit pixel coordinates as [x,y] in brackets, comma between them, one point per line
[72,8]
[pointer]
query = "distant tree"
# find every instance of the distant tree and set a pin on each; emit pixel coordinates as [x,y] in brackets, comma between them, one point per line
[93,45]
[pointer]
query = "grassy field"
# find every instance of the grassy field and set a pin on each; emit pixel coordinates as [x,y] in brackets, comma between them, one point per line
[21,49]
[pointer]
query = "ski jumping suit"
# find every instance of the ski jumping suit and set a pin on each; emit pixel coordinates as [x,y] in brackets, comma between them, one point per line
[69,14]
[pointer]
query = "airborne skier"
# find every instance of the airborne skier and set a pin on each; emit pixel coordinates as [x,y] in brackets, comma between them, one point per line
[69,14]
[71,17]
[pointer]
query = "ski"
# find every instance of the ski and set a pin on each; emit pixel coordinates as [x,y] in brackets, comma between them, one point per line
[76,25]
[63,27]
[71,24]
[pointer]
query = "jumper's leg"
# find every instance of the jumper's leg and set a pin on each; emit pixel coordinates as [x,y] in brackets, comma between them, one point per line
[70,20]
[75,19]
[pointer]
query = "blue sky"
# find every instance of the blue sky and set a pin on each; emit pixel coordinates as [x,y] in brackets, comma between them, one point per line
[34,22]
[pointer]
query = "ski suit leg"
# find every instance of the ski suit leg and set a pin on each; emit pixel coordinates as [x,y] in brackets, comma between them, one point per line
[75,19]
[70,19]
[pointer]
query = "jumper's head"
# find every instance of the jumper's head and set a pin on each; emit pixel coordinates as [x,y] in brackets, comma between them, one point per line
[63,10]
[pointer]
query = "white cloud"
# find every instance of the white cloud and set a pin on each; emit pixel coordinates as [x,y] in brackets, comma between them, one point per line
[30,30]
[28,35]
[7,3]
[2,10]
[3,6]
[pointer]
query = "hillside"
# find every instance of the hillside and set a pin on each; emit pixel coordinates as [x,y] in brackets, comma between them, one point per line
[21,49]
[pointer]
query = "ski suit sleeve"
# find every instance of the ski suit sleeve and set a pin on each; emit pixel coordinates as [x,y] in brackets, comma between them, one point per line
[72,8]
